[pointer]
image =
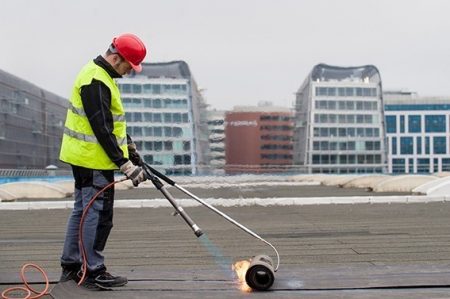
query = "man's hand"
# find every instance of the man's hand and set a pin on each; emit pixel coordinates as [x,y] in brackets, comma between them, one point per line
[133,154]
[133,172]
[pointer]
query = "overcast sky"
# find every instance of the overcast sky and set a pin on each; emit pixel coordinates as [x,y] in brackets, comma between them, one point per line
[239,51]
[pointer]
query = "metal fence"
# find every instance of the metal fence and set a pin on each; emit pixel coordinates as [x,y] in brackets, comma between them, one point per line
[34,172]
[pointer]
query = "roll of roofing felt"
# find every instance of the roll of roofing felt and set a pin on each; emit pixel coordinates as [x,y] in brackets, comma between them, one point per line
[260,275]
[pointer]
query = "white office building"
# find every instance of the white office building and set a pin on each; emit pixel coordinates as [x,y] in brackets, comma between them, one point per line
[339,121]
[166,117]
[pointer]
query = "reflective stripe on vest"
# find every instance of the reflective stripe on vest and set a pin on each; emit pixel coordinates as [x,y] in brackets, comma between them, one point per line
[80,112]
[90,138]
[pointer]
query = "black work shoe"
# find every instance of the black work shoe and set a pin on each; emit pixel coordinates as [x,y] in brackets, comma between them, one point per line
[69,274]
[106,280]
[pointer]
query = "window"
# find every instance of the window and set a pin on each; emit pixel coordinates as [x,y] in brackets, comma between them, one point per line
[157,131]
[177,132]
[148,117]
[168,145]
[186,145]
[411,165]
[137,88]
[406,145]
[158,146]
[351,132]
[157,117]
[418,145]
[136,103]
[435,123]
[176,118]
[126,88]
[148,131]
[439,145]
[147,88]
[316,145]
[167,117]
[349,91]
[359,118]
[148,159]
[414,124]
[157,103]
[168,131]
[391,124]
[137,131]
[147,103]
[148,145]
[402,124]
[445,164]
[321,91]
[350,105]
[137,117]
[359,92]
[423,165]
[156,88]
[394,145]
[398,165]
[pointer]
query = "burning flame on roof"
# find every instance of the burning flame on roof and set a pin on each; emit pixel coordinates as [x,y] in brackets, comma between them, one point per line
[241,268]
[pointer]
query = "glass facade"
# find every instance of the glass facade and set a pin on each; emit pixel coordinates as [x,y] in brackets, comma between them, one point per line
[31,124]
[422,131]
[340,124]
[157,116]
[164,117]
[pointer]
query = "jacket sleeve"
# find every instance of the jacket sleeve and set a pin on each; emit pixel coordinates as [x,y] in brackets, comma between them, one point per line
[96,99]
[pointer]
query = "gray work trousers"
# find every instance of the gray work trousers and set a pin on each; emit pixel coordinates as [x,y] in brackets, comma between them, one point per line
[98,221]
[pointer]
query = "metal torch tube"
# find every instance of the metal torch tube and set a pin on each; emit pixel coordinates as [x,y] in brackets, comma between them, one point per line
[198,232]
[247,230]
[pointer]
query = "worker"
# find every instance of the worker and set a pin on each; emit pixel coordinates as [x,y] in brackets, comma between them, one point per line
[95,144]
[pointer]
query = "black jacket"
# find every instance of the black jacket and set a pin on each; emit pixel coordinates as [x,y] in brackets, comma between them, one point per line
[96,98]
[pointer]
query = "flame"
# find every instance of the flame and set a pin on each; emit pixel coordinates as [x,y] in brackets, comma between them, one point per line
[241,268]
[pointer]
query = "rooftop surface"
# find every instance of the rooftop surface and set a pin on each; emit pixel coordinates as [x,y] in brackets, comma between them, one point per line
[397,250]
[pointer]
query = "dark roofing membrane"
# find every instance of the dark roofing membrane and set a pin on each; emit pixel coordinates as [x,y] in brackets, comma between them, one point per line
[174,69]
[325,72]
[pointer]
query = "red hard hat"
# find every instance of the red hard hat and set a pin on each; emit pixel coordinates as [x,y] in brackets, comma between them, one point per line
[131,48]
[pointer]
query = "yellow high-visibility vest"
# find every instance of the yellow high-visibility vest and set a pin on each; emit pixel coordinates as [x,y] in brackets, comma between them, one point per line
[79,145]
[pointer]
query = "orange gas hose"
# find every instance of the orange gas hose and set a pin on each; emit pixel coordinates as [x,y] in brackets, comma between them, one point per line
[28,289]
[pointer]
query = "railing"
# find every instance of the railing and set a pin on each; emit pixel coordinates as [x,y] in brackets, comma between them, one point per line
[34,172]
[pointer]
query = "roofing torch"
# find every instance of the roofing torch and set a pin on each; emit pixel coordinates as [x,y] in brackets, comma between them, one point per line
[152,173]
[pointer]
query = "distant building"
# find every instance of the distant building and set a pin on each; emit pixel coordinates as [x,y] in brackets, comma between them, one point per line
[258,140]
[31,124]
[216,128]
[339,121]
[418,132]
[166,117]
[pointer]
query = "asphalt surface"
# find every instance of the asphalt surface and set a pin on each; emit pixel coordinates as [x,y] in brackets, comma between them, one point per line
[327,251]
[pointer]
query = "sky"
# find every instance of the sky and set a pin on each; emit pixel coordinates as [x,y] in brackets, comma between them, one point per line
[240,52]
